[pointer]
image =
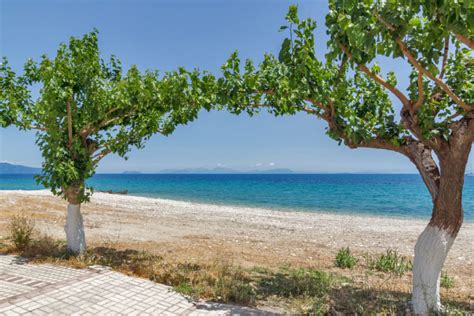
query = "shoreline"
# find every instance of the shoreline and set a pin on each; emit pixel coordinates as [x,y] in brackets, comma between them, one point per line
[147,208]
[177,202]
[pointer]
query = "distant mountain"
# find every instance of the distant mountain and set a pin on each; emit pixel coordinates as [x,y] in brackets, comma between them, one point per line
[273,171]
[224,171]
[8,168]
[200,171]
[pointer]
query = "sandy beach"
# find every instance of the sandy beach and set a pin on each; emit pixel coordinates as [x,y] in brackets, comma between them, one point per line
[247,236]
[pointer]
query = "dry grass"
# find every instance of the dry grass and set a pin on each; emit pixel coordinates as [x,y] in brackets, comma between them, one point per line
[219,260]
[304,290]
[21,231]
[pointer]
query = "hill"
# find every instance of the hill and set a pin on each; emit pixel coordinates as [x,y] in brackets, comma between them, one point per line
[8,168]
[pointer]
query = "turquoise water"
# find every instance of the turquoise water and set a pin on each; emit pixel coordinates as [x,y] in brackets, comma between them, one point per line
[401,195]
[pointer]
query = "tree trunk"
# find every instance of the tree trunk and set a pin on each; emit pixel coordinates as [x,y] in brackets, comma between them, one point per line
[431,250]
[436,240]
[75,235]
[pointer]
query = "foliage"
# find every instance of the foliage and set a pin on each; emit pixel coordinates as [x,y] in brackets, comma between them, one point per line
[390,261]
[234,285]
[89,107]
[345,259]
[21,231]
[415,26]
[446,281]
[294,282]
[352,96]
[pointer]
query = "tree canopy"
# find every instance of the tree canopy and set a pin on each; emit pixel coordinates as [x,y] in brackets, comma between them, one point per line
[89,107]
[350,91]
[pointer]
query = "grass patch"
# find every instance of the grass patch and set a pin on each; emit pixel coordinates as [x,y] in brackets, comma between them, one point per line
[293,282]
[305,290]
[345,259]
[21,230]
[3,242]
[390,262]
[446,281]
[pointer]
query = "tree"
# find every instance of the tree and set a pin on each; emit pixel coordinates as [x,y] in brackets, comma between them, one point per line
[435,127]
[88,108]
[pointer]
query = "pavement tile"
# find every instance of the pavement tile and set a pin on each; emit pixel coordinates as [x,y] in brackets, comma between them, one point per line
[54,290]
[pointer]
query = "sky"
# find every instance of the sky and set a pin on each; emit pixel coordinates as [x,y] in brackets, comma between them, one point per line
[200,34]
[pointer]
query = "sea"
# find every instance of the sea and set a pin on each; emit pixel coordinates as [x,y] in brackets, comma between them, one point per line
[396,195]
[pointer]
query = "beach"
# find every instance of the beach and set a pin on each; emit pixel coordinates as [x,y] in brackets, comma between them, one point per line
[246,236]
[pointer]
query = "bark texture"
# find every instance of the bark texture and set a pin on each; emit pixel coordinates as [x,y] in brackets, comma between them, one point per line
[422,158]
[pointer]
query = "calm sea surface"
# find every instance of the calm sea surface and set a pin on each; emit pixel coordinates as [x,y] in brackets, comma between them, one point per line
[380,194]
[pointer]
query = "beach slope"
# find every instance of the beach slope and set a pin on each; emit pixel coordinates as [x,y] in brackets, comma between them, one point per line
[246,236]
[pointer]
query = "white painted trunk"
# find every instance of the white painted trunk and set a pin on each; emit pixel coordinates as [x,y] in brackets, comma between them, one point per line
[430,252]
[76,239]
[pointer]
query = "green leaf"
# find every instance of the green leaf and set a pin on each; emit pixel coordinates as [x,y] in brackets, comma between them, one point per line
[415,22]
[285,55]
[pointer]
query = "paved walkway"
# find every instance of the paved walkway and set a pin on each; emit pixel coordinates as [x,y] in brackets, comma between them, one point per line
[54,290]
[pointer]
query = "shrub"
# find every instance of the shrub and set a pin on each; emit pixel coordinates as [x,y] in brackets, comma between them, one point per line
[234,286]
[446,281]
[391,261]
[293,282]
[44,246]
[218,281]
[344,259]
[21,231]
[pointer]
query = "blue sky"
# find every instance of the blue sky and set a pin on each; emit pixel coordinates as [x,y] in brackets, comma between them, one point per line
[165,35]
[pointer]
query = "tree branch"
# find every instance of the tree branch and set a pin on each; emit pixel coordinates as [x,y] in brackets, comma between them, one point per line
[305,109]
[416,151]
[101,155]
[317,103]
[90,130]
[445,57]
[405,101]
[408,112]
[422,157]
[105,148]
[69,122]
[86,131]
[40,128]
[342,65]
[463,129]
[409,120]
[421,92]
[428,74]
[420,68]
[465,40]
[376,143]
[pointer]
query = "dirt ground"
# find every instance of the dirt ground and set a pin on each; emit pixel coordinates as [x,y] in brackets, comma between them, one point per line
[245,236]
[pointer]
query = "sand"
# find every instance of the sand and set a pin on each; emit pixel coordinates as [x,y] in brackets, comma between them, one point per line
[249,236]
